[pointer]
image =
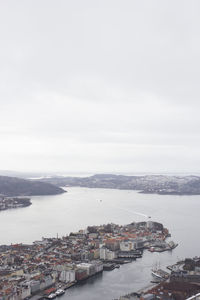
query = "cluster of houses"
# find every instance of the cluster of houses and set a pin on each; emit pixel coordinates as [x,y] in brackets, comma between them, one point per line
[13,202]
[27,270]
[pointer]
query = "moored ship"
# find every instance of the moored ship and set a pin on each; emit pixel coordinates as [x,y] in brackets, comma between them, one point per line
[160,274]
[52,296]
[59,292]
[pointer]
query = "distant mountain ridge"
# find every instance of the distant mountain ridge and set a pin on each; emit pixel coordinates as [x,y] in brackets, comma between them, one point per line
[13,186]
[155,184]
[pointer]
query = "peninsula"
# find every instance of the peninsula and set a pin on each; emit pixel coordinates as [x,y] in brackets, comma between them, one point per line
[13,186]
[14,191]
[54,264]
[13,202]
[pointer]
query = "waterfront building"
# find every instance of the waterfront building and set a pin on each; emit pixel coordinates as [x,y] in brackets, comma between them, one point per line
[67,275]
[126,245]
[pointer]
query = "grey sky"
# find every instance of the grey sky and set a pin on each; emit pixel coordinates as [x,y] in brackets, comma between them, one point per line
[100,86]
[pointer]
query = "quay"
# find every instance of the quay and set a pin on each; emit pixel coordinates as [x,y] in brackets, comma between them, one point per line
[182,283]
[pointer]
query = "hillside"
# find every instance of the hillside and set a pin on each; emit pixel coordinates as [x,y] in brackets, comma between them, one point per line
[155,184]
[12,186]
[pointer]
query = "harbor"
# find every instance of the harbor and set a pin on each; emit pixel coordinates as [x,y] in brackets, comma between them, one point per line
[52,265]
[183,282]
[131,276]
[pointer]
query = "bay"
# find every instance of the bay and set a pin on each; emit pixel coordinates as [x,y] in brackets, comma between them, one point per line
[80,207]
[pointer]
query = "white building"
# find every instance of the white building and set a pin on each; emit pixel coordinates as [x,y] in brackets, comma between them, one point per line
[90,268]
[107,254]
[126,246]
[111,255]
[102,253]
[67,275]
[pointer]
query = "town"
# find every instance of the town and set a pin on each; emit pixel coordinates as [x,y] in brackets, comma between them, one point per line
[13,202]
[48,267]
[147,184]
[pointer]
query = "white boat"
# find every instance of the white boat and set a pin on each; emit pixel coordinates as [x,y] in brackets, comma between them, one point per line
[156,274]
[160,274]
[59,292]
[52,296]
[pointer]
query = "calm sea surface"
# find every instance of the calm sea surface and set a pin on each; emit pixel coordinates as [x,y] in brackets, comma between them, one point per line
[80,207]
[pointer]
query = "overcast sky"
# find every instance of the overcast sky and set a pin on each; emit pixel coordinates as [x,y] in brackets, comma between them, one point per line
[100,85]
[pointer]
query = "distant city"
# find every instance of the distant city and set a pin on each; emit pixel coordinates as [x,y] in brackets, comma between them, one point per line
[155,184]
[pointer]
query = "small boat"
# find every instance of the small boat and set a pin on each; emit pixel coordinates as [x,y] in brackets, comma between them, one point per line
[156,280]
[172,245]
[52,296]
[59,292]
[108,267]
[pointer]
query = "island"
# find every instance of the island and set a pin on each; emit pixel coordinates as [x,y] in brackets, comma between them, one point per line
[149,184]
[49,266]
